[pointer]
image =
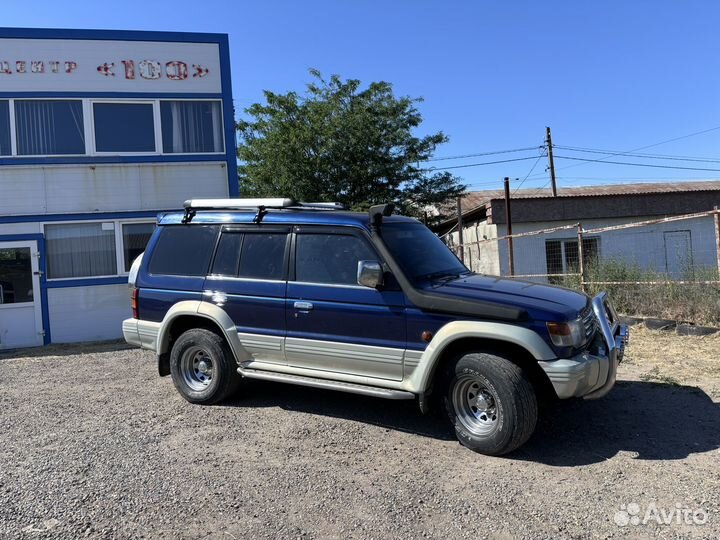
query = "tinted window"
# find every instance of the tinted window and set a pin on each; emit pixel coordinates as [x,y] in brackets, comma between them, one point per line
[419,252]
[330,258]
[49,127]
[263,256]
[183,250]
[4,128]
[227,256]
[124,127]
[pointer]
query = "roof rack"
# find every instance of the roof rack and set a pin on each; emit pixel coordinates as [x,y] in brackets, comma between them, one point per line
[192,206]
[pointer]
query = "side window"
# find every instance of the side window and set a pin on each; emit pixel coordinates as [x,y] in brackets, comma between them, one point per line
[183,250]
[263,256]
[227,257]
[330,258]
[251,255]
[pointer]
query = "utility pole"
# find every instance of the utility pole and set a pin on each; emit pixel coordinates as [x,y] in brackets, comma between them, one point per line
[511,259]
[460,229]
[551,162]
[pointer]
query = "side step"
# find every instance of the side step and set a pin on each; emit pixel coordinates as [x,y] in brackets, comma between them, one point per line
[325,383]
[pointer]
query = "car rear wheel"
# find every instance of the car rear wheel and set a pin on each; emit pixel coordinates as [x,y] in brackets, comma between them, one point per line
[490,403]
[202,367]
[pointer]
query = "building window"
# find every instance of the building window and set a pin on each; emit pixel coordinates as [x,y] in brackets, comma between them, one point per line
[562,256]
[124,127]
[4,128]
[80,250]
[47,128]
[191,127]
[135,237]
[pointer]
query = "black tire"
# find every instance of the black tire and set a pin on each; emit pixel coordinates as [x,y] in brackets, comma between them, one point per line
[203,384]
[490,403]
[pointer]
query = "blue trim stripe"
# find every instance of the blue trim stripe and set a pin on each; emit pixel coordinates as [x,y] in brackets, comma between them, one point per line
[42,265]
[98,216]
[90,160]
[229,117]
[86,282]
[109,95]
[119,35]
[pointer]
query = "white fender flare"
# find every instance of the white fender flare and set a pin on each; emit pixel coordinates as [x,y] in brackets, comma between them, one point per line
[421,376]
[205,310]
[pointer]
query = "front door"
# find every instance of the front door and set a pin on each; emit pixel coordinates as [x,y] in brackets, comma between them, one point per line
[334,324]
[678,254]
[20,310]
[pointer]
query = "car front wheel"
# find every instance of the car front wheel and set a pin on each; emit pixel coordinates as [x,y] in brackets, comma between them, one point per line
[490,403]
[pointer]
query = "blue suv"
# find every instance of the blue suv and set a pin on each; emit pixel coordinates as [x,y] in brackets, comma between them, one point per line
[369,303]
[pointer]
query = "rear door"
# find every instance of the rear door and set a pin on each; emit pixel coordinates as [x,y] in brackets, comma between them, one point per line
[247,279]
[333,323]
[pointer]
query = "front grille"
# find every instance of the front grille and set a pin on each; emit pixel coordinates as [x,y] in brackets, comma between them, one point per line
[589,322]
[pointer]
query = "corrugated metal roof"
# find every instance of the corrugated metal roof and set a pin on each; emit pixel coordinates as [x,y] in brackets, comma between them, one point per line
[476,199]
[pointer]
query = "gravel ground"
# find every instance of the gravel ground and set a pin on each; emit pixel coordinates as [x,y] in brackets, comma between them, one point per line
[95,445]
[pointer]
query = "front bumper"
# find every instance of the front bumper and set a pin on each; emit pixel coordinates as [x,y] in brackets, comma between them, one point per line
[587,375]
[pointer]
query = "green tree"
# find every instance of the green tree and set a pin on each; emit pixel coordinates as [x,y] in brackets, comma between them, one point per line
[340,142]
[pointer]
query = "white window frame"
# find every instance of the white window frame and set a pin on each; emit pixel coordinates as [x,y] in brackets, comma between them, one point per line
[156,125]
[13,128]
[89,127]
[119,245]
[222,129]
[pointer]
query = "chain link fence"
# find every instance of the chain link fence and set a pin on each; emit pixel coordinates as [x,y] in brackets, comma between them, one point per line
[666,267]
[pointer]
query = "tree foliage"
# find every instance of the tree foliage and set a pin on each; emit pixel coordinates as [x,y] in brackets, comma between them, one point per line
[341,142]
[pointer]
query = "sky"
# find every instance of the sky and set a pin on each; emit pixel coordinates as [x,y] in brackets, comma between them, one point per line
[611,75]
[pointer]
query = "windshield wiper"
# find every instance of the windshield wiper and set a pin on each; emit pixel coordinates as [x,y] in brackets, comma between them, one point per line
[442,275]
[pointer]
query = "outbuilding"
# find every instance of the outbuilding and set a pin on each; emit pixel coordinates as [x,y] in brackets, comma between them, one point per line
[99,132]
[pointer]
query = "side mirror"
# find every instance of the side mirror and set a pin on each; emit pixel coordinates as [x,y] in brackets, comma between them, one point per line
[370,274]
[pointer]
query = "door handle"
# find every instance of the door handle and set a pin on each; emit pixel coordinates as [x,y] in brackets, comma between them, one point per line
[303,306]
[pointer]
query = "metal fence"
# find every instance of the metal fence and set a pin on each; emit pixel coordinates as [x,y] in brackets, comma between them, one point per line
[661,267]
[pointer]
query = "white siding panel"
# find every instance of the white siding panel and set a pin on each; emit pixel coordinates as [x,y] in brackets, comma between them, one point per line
[88,313]
[169,187]
[11,229]
[22,191]
[108,188]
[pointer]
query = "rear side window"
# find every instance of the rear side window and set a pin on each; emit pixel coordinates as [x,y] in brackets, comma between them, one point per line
[330,258]
[263,256]
[183,250]
[251,255]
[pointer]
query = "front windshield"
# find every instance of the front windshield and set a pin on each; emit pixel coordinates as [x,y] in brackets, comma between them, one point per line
[420,253]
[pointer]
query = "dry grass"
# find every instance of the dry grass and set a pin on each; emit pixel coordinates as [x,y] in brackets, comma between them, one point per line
[666,357]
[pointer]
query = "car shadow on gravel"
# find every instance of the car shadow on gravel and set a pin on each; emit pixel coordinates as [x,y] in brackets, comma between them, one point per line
[401,415]
[657,421]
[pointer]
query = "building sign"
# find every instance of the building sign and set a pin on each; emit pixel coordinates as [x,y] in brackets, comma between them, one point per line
[62,65]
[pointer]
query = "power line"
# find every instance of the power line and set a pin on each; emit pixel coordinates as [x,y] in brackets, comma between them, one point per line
[643,156]
[542,155]
[478,164]
[445,158]
[701,132]
[636,164]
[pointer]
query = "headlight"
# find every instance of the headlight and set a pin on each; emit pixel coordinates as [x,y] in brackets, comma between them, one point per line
[567,334]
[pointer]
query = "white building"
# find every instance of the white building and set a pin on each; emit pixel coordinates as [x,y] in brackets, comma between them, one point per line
[99,132]
[672,248]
